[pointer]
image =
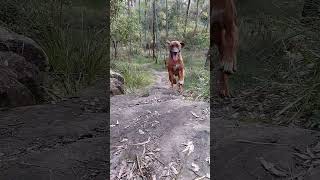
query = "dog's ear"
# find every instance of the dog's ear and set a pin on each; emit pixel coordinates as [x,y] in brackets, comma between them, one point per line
[182,44]
[168,42]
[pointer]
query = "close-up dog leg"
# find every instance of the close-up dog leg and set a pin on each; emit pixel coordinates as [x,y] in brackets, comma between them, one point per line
[181,80]
[229,46]
[171,79]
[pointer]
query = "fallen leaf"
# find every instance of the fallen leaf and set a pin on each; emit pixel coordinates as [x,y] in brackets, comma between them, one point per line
[302,156]
[316,148]
[194,114]
[189,148]
[154,177]
[271,168]
[199,178]
[124,164]
[310,153]
[174,170]
[208,159]
[124,140]
[140,131]
[208,175]
[195,167]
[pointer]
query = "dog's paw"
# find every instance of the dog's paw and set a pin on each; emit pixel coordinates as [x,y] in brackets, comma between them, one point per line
[228,67]
[181,82]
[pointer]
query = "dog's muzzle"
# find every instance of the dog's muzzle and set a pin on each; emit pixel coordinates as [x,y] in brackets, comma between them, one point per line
[174,53]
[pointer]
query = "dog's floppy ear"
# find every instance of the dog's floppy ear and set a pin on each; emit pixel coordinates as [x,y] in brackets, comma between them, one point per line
[168,42]
[182,44]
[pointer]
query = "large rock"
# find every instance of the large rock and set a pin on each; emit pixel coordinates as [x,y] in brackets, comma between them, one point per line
[117,76]
[25,47]
[12,92]
[23,70]
[116,83]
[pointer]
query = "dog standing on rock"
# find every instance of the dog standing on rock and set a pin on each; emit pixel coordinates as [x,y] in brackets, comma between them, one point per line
[175,64]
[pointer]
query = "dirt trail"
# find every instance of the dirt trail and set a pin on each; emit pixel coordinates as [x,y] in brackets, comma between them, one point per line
[162,121]
[64,141]
[242,151]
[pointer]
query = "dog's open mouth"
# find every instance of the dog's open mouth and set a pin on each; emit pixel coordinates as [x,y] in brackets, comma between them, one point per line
[175,54]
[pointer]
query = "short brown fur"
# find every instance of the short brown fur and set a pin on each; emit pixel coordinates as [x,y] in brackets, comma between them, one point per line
[176,67]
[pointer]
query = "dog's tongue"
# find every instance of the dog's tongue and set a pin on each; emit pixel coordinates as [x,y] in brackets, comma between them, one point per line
[175,57]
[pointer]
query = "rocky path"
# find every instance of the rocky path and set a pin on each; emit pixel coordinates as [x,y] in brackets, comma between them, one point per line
[159,135]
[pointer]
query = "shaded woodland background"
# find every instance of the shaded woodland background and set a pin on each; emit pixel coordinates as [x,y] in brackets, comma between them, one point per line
[278,57]
[279,61]
[71,32]
[139,30]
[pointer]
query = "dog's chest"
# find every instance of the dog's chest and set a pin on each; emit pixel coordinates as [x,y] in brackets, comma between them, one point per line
[176,68]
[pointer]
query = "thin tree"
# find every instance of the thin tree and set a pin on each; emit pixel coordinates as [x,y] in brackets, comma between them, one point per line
[145,20]
[186,20]
[167,20]
[140,33]
[154,31]
[129,36]
[197,18]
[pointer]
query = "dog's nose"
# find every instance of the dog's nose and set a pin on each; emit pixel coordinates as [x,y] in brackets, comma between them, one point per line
[174,53]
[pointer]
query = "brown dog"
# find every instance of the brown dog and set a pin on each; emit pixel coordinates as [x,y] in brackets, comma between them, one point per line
[175,64]
[224,32]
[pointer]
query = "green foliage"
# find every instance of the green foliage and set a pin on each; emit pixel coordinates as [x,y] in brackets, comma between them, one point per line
[123,28]
[197,83]
[135,75]
[71,33]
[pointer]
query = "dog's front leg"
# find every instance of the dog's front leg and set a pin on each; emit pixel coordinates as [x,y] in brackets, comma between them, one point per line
[171,78]
[181,80]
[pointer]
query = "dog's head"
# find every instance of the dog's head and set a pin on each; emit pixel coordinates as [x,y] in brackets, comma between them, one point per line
[175,49]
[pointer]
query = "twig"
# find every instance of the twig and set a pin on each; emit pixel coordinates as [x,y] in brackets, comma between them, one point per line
[290,105]
[142,143]
[156,158]
[29,164]
[139,167]
[260,143]
[19,123]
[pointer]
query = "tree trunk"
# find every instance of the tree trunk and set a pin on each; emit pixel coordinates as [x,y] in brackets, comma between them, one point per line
[140,33]
[146,23]
[197,18]
[167,20]
[129,36]
[157,31]
[186,20]
[154,31]
[115,44]
[178,14]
